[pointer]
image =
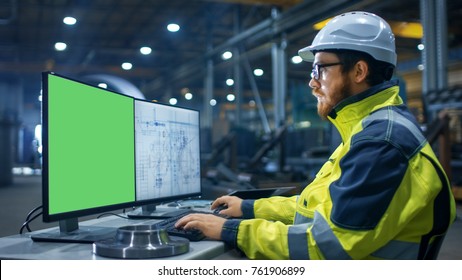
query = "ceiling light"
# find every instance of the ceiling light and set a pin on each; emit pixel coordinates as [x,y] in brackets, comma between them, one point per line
[420,47]
[258,72]
[145,50]
[405,29]
[127,66]
[60,46]
[227,55]
[229,82]
[213,102]
[319,25]
[70,20]
[296,59]
[102,85]
[188,96]
[304,124]
[173,101]
[173,27]
[230,97]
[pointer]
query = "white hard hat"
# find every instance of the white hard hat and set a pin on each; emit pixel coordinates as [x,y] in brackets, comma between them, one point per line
[358,31]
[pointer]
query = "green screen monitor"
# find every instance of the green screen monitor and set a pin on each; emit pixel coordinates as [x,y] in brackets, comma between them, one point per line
[104,151]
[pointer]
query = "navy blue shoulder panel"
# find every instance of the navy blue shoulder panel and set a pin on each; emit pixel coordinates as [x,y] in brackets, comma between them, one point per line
[395,125]
[373,169]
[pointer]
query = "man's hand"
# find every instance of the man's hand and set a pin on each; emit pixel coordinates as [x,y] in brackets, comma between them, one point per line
[210,225]
[233,204]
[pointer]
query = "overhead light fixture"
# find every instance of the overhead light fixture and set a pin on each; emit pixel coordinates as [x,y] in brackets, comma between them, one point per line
[420,47]
[70,20]
[227,55]
[404,29]
[304,124]
[258,72]
[127,66]
[230,97]
[173,27]
[188,96]
[145,50]
[229,82]
[60,46]
[213,102]
[296,59]
[321,24]
[173,101]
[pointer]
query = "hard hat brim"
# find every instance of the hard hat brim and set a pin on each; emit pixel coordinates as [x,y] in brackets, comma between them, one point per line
[306,54]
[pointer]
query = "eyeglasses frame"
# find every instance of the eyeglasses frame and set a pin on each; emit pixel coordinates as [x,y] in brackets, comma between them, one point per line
[316,71]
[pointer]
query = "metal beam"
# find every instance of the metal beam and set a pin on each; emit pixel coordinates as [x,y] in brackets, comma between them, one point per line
[434,54]
[256,95]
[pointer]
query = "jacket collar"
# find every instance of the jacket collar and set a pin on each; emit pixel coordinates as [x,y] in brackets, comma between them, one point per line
[353,109]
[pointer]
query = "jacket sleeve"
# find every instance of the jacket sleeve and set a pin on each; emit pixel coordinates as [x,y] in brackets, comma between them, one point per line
[277,208]
[263,239]
[258,236]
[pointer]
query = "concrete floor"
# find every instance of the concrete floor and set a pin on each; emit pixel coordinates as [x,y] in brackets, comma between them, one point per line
[24,195]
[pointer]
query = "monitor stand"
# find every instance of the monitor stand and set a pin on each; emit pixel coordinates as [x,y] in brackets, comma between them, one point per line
[69,232]
[152,212]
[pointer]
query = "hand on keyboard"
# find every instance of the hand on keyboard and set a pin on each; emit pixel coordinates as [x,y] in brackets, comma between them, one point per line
[169,225]
[209,225]
[191,235]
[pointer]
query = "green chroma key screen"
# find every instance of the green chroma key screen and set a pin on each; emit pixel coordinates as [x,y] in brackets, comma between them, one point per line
[90,147]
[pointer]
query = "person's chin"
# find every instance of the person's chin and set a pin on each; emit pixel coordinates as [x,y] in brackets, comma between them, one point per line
[323,112]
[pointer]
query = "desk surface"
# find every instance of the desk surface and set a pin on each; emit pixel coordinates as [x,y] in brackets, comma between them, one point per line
[22,246]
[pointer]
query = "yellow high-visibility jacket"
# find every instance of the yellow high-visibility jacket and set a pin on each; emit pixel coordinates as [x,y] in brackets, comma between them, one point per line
[381,195]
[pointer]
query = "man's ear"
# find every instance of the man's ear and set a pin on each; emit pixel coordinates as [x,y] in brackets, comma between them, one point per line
[360,71]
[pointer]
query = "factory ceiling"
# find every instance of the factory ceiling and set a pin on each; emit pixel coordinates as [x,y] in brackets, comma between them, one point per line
[110,32]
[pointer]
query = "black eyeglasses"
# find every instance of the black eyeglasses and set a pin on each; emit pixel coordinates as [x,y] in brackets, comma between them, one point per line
[316,72]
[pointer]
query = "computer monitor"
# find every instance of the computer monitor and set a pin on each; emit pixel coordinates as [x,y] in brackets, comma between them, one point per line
[104,151]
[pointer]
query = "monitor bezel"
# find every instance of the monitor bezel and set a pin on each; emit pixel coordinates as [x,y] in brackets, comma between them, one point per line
[47,217]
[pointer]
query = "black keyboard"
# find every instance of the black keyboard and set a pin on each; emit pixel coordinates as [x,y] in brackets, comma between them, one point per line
[169,225]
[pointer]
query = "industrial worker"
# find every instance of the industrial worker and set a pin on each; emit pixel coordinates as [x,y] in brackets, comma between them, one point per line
[381,195]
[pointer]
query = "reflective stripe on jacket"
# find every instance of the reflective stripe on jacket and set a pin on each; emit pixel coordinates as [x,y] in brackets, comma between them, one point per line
[373,199]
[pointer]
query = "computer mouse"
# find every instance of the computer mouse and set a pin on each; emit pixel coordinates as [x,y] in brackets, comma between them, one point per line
[219,208]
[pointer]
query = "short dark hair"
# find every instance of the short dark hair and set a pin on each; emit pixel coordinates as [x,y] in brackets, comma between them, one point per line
[379,71]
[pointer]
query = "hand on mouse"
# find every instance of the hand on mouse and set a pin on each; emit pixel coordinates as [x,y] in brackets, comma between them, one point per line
[232,205]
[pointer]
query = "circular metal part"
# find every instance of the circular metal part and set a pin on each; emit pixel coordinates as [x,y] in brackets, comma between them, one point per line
[141,242]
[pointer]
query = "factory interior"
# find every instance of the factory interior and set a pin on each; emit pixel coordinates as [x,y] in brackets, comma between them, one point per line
[234,61]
